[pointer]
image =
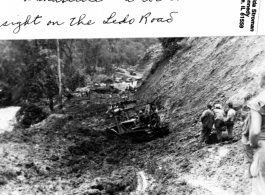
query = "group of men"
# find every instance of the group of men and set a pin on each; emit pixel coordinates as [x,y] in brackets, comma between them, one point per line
[218,118]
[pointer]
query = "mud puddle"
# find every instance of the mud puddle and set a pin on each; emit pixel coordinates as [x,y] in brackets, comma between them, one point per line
[199,176]
[144,182]
[211,186]
[7,118]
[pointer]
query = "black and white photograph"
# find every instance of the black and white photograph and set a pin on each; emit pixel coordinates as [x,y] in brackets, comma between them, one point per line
[133,116]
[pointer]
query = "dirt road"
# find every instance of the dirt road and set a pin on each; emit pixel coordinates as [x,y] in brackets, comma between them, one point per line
[7,118]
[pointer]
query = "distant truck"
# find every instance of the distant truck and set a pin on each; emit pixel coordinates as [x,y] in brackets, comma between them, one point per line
[118,80]
[132,73]
[104,90]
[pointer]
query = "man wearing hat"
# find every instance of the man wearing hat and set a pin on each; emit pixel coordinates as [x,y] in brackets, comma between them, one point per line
[207,119]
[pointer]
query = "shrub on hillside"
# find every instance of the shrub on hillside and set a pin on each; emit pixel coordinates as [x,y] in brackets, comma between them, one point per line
[30,114]
[170,45]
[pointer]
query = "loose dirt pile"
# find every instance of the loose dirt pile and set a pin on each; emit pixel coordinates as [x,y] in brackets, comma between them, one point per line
[72,154]
[204,70]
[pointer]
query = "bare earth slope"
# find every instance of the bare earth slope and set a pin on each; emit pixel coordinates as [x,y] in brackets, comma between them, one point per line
[205,70]
[74,155]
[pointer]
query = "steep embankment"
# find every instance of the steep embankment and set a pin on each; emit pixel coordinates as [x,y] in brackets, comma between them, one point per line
[204,70]
[152,55]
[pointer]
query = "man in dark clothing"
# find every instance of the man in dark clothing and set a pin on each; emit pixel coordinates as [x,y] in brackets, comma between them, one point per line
[207,119]
[219,115]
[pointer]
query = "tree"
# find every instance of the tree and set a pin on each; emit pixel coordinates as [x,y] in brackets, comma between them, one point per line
[59,74]
[40,75]
[170,45]
[29,68]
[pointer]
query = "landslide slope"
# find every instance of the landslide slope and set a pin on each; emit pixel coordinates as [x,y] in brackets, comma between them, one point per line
[206,70]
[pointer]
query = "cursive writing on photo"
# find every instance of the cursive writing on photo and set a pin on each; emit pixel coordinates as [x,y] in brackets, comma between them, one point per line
[18,24]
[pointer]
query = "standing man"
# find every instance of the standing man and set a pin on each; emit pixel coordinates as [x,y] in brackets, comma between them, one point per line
[219,114]
[207,119]
[230,121]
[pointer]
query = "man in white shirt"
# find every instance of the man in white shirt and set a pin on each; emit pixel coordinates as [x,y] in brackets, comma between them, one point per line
[230,121]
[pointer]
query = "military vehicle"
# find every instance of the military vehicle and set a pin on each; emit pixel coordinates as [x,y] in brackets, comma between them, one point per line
[104,90]
[132,73]
[138,124]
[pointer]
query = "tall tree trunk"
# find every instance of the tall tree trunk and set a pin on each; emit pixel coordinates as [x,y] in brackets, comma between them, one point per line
[111,51]
[59,74]
[96,65]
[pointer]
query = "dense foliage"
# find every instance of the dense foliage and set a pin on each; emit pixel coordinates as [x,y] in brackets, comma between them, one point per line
[170,45]
[28,68]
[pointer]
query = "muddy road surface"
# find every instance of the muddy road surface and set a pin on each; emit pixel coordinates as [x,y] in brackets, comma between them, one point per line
[7,118]
[71,153]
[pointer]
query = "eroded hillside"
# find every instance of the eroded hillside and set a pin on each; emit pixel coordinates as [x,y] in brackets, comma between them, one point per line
[75,155]
[206,70]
